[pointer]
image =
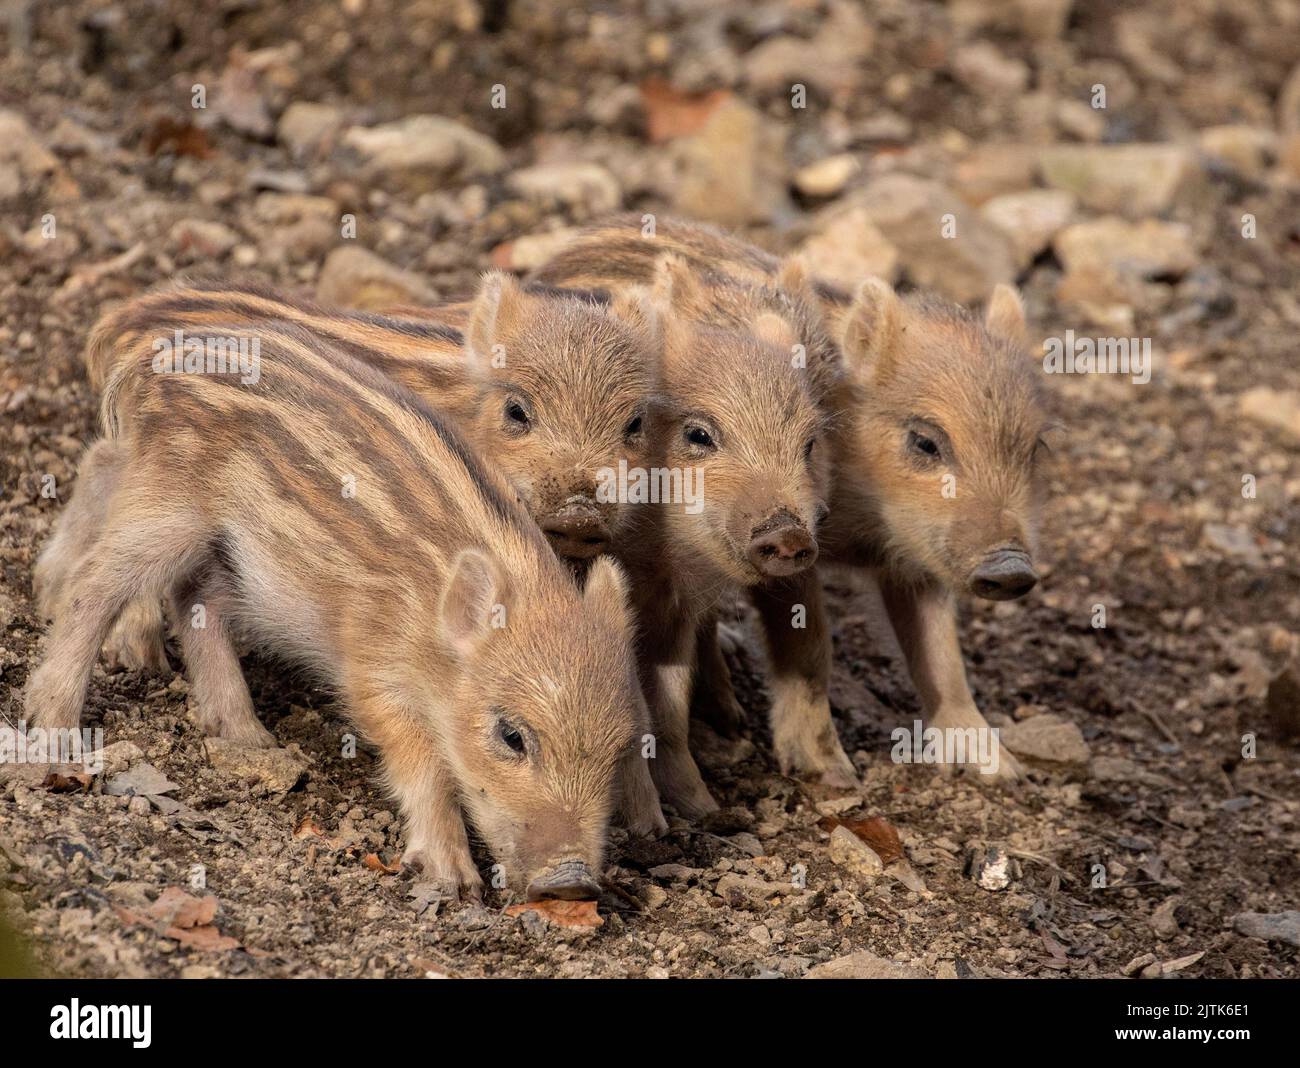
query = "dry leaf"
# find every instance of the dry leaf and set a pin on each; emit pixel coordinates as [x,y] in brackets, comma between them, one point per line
[58,783]
[876,832]
[671,113]
[372,861]
[206,938]
[308,828]
[176,908]
[578,914]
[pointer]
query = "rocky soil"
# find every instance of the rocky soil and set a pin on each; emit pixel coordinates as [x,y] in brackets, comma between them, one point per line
[1134,168]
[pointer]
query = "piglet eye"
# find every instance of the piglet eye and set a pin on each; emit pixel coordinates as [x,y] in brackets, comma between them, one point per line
[511,737]
[516,414]
[808,448]
[633,427]
[920,443]
[697,435]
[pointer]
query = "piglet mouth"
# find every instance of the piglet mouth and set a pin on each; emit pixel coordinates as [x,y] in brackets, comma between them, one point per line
[568,880]
[577,531]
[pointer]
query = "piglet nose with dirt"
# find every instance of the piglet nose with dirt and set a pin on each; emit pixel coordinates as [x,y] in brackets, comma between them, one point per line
[577,530]
[782,545]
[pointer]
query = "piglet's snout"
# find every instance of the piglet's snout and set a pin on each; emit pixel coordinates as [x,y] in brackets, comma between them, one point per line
[781,545]
[569,879]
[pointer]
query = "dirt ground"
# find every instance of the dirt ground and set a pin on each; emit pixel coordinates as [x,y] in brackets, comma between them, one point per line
[1138,838]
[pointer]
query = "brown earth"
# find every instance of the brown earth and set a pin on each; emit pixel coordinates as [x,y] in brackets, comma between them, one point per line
[1147,516]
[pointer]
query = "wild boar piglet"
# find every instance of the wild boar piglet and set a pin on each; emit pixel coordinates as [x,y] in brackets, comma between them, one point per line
[325,514]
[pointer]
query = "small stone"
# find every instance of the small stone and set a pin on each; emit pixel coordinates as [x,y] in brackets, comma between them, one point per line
[1272,926]
[141,780]
[827,177]
[202,239]
[1134,180]
[356,278]
[863,965]
[1276,409]
[854,855]
[1234,541]
[309,129]
[587,186]
[276,771]
[117,757]
[990,869]
[422,152]
[1048,739]
[981,67]
[139,806]
[1243,149]
[1163,920]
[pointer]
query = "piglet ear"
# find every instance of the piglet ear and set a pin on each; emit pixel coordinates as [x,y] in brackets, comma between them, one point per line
[871,329]
[471,604]
[1005,317]
[606,592]
[637,308]
[498,307]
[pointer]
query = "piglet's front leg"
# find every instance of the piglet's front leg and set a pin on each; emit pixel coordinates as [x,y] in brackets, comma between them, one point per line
[924,619]
[799,650]
[420,780]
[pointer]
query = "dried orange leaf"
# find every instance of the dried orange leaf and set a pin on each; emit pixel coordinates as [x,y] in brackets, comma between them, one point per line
[578,914]
[372,861]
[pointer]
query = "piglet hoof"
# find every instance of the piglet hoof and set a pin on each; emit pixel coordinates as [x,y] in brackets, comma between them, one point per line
[680,785]
[820,759]
[457,880]
[130,650]
[646,822]
[251,735]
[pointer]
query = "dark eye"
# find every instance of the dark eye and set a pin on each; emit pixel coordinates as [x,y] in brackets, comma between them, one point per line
[700,437]
[808,448]
[633,428]
[516,415]
[511,737]
[925,446]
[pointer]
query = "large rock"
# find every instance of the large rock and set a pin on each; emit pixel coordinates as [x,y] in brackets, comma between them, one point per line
[421,153]
[1047,739]
[852,854]
[849,249]
[1030,219]
[1131,180]
[1146,249]
[1273,926]
[268,771]
[733,171]
[913,214]
[356,278]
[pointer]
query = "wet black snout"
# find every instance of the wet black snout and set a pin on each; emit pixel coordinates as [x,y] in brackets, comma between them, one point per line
[571,880]
[1003,575]
[781,546]
[577,533]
